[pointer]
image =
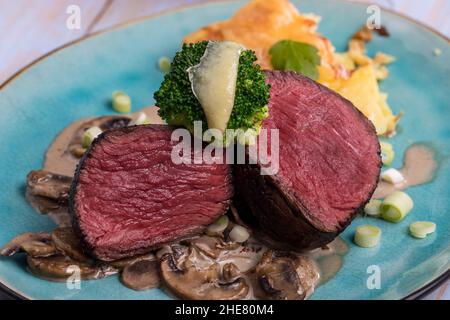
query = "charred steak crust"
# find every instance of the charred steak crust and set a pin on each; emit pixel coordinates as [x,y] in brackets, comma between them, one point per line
[265,198]
[127,249]
[277,204]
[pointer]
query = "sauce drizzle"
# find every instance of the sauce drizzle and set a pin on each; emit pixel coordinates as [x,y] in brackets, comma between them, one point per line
[419,167]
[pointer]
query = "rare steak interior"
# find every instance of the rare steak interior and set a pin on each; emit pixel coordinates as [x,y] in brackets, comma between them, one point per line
[128,196]
[329,158]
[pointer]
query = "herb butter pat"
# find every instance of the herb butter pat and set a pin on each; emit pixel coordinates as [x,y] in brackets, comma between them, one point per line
[213,81]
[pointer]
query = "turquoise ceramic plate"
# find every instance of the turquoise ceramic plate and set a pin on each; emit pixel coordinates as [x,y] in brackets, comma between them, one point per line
[76,82]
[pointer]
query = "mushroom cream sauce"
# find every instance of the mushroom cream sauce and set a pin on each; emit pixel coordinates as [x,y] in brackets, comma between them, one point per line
[213,267]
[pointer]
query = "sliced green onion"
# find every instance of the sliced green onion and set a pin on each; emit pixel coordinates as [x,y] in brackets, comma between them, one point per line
[420,229]
[392,176]
[396,206]
[239,234]
[372,208]
[367,236]
[89,135]
[437,52]
[164,64]
[138,119]
[217,227]
[77,151]
[121,102]
[387,153]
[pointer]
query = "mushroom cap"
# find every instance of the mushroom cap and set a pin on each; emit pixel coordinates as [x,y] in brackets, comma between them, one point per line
[60,268]
[38,249]
[188,281]
[69,244]
[15,245]
[141,275]
[48,185]
[284,276]
[122,263]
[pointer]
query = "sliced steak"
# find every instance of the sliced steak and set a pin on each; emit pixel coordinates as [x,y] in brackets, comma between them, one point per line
[329,164]
[128,196]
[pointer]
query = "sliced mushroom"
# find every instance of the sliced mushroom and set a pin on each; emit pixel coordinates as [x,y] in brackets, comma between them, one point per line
[283,276]
[45,205]
[69,244]
[38,249]
[212,246]
[59,268]
[49,185]
[176,249]
[15,244]
[114,122]
[61,217]
[48,194]
[209,249]
[57,211]
[122,263]
[224,245]
[105,123]
[190,282]
[230,272]
[162,251]
[141,275]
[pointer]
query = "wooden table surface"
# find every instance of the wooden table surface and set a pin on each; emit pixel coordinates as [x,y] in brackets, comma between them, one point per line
[31,28]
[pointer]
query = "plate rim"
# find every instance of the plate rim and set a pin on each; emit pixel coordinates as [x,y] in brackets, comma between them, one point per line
[417,294]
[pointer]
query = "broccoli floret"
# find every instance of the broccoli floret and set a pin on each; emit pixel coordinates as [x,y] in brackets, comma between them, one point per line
[179,106]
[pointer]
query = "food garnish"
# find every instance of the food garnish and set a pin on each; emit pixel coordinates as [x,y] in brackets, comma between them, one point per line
[296,56]
[164,64]
[89,135]
[387,153]
[392,176]
[239,234]
[213,81]
[420,229]
[396,206]
[437,52]
[178,105]
[367,236]
[139,119]
[218,226]
[372,208]
[121,102]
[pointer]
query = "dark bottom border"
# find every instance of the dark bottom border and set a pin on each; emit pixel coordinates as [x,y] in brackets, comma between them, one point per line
[416,295]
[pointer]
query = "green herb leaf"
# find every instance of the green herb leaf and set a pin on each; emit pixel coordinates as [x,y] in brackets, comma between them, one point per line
[295,56]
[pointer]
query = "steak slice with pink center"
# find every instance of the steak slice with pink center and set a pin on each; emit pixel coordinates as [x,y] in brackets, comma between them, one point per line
[129,197]
[329,164]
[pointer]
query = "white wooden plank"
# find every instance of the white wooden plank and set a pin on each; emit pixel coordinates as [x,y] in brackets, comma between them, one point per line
[29,29]
[438,17]
[121,11]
